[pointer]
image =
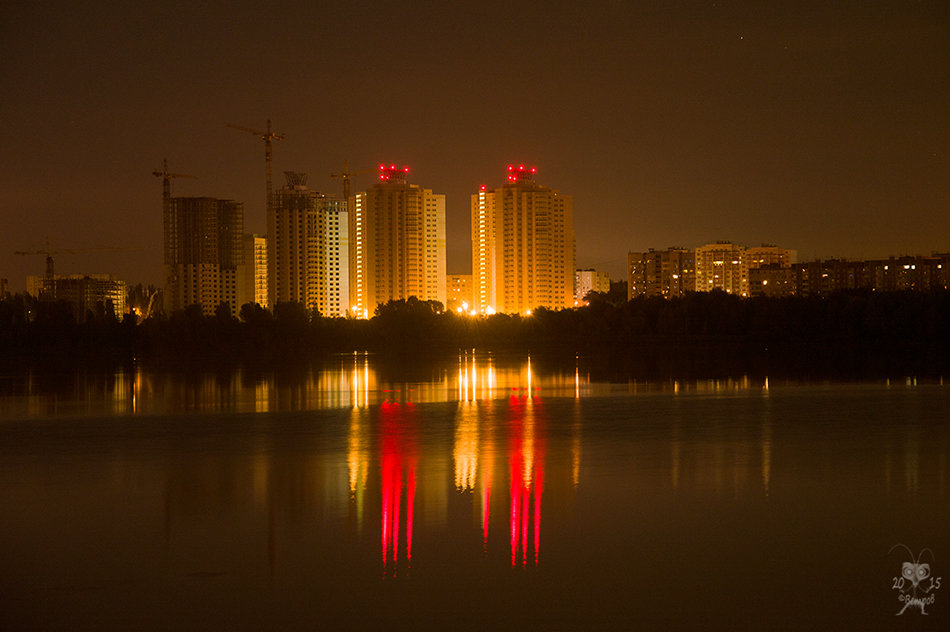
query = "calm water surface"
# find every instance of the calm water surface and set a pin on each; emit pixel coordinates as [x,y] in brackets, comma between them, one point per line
[470,494]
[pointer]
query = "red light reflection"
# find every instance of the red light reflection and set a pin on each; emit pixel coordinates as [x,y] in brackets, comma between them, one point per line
[398,474]
[527,481]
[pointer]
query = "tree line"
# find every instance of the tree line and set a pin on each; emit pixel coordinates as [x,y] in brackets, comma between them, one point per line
[907,323]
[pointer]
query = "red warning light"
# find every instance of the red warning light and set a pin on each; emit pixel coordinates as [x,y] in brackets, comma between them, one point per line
[482,188]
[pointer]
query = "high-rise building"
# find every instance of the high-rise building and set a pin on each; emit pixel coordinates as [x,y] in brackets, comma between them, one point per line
[397,243]
[722,266]
[590,280]
[255,269]
[667,273]
[204,257]
[522,246]
[308,248]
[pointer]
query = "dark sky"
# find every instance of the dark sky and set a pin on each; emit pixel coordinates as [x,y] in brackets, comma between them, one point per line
[820,128]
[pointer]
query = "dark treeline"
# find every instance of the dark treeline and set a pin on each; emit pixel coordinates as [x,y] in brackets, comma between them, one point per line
[906,327]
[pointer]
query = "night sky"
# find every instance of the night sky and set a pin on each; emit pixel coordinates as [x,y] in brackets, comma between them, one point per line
[822,129]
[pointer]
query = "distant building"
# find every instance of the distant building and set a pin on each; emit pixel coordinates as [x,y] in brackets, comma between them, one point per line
[204,257]
[397,243]
[4,292]
[895,274]
[458,289]
[255,269]
[522,246]
[767,254]
[590,280]
[88,294]
[667,273]
[773,280]
[722,266]
[307,249]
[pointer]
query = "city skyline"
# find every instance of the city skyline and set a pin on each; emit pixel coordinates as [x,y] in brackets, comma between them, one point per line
[822,129]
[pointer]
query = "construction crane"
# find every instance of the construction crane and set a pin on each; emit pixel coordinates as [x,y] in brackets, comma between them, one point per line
[62,251]
[167,179]
[268,137]
[345,175]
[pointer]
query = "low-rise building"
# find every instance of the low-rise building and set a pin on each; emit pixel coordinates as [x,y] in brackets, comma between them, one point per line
[589,280]
[93,295]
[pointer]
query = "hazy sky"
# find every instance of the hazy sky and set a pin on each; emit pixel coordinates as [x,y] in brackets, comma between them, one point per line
[823,129]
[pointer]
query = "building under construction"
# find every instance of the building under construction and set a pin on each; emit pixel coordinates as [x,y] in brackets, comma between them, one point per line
[204,256]
[89,295]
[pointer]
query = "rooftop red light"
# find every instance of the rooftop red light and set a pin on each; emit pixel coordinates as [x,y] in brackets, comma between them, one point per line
[521,173]
[392,172]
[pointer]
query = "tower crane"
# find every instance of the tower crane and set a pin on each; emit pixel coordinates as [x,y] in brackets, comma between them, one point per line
[62,251]
[345,176]
[167,177]
[268,137]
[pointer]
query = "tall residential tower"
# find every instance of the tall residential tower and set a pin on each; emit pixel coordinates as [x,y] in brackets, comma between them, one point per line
[522,246]
[307,248]
[397,243]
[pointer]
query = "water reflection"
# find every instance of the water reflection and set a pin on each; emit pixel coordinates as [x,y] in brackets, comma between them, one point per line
[399,460]
[353,380]
[526,458]
[326,486]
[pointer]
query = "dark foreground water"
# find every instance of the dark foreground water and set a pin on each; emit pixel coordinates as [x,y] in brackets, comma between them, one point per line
[473,494]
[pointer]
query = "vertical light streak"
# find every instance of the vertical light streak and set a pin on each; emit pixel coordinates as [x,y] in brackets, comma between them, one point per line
[576,446]
[487,457]
[465,452]
[538,490]
[410,503]
[515,465]
[357,459]
[366,381]
[398,482]
[530,393]
[526,463]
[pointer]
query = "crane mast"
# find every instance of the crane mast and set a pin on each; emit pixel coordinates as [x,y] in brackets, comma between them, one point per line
[166,177]
[268,137]
[345,175]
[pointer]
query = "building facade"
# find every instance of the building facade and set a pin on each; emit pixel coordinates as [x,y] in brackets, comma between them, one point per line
[255,269]
[722,266]
[667,273]
[589,280]
[95,294]
[307,249]
[523,248]
[204,255]
[767,254]
[458,288]
[397,243]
